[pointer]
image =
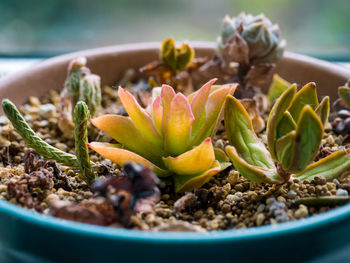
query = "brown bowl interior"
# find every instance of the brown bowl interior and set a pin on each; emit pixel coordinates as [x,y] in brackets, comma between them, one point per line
[111,62]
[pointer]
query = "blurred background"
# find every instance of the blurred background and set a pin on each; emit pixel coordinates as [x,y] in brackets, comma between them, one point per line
[44,28]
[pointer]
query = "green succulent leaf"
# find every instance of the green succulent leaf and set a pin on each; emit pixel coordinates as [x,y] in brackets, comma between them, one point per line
[333,166]
[185,55]
[168,53]
[241,135]
[305,96]
[309,133]
[188,182]
[276,114]
[222,158]
[252,172]
[284,147]
[286,125]
[344,93]
[322,110]
[277,87]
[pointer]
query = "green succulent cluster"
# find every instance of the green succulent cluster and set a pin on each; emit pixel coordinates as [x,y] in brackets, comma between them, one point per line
[294,132]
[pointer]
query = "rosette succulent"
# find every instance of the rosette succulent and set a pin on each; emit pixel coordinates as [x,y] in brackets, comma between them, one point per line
[253,39]
[294,134]
[172,135]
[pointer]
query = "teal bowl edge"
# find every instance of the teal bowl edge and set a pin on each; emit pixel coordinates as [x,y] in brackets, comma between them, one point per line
[313,222]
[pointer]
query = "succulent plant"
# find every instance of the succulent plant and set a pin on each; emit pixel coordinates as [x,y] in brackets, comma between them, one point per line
[176,58]
[344,93]
[248,39]
[80,160]
[173,66]
[80,85]
[172,135]
[247,49]
[294,133]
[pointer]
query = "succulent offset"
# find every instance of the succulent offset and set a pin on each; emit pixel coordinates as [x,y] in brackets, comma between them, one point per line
[294,133]
[172,135]
[80,85]
[172,65]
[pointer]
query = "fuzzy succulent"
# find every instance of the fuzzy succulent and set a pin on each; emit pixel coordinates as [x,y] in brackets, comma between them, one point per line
[294,133]
[172,135]
[80,85]
[250,40]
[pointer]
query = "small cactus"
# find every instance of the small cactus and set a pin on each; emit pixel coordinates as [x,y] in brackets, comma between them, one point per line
[80,85]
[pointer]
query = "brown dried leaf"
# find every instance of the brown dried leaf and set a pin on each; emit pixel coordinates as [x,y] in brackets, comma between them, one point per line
[236,49]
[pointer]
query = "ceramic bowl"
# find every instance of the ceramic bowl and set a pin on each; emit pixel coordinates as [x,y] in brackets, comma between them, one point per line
[26,236]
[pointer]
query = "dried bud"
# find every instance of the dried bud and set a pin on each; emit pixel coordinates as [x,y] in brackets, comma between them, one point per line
[136,190]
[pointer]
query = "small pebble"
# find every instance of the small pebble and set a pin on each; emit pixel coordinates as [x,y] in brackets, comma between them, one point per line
[342,192]
[320,180]
[233,177]
[260,208]
[260,219]
[301,212]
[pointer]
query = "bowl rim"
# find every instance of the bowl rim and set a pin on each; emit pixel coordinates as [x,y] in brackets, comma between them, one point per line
[321,220]
[46,221]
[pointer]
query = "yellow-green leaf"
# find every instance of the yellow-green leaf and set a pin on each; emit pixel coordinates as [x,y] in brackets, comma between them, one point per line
[330,167]
[157,114]
[241,135]
[322,110]
[184,57]
[168,53]
[121,156]
[284,147]
[186,183]
[276,114]
[167,94]
[277,87]
[140,117]
[307,95]
[309,133]
[198,104]
[124,131]
[195,161]
[178,126]
[285,125]
[214,108]
[252,172]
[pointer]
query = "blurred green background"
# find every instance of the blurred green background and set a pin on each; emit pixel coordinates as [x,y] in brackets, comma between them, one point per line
[41,28]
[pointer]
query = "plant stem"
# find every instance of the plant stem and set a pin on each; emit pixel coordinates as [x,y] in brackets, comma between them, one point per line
[33,140]
[81,117]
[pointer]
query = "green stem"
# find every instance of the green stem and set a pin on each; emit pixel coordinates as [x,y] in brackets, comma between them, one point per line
[33,140]
[81,118]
